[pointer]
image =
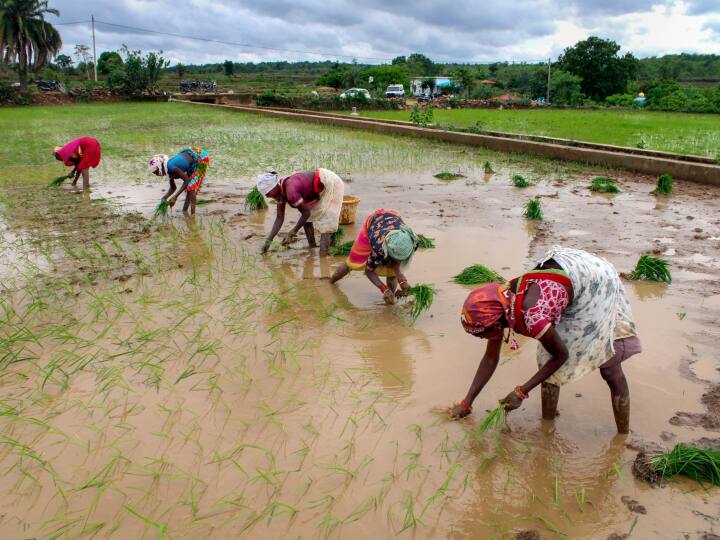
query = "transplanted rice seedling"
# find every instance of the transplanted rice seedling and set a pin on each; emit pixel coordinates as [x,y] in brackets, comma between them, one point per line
[533,210]
[488,168]
[520,182]
[664,185]
[423,299]
[448,175]
[255,200]
[57,181]
[424,242]
[161,209]
[651,268]
[477,274]
[604,185]
[696,463]
[495,420]
[342,250]
[200,202]
[337,236]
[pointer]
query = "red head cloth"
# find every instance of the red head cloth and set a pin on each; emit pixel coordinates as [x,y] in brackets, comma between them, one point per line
[483,307]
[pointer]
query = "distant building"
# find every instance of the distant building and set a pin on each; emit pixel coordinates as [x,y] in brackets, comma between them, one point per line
[489,82]
[438,85]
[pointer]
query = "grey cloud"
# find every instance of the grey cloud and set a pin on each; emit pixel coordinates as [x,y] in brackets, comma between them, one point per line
[703,7]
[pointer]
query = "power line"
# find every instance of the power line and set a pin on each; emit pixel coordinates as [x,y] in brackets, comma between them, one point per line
[232,43]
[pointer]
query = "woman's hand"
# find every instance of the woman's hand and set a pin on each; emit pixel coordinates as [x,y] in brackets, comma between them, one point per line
[460,410]
[266,246]
[512,401]
[404,289]
[389,296]
[171,201]
[289,238]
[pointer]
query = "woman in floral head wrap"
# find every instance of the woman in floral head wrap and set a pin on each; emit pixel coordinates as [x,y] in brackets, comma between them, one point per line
[574,304]
[190,166]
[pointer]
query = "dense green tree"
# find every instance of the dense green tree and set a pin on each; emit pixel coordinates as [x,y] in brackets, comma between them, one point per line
[420,65]
[108,61]
[565,88]
[399,60]
[63,61]
[465,77]
[26,37]
[229,68]
[602,70]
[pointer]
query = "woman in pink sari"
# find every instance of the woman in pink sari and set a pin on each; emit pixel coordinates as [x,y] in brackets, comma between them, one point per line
[81,154]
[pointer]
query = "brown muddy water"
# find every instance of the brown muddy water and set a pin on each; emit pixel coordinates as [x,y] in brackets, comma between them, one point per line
[189,388]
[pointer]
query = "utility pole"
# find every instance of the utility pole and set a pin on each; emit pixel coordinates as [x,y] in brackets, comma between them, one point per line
[92,17]
[547,94]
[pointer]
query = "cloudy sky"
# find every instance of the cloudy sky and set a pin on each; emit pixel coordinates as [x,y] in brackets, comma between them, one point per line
[375,31]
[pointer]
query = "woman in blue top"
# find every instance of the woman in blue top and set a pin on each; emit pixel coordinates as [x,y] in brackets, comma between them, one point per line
[190,166]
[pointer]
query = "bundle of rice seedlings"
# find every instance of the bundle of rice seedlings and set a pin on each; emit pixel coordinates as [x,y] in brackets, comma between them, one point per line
[200,202]
[337,236]
[477,274]
[448,176]
[424,242]
[423,298]
[161,209]
[520,182]
[255,200]
[604,185]
[533,210]
[696,463]
[651,268]
[495,420]
[664,185]
[57,181]
[343,249]
[488,168]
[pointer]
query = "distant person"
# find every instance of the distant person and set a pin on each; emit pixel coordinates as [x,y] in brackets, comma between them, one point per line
[317,195]
[384,247]
[574,304]
[81,153]
[190,166]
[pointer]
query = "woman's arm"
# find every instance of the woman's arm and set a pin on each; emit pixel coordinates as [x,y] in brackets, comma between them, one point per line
[485,371]
[279,220]
[182,176]
[172,188]
[304,216]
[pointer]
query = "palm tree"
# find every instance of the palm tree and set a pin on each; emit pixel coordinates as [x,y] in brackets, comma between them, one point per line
[26,37]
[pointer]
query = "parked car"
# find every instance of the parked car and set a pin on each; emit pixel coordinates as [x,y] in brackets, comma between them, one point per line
[395,90]
[355,93]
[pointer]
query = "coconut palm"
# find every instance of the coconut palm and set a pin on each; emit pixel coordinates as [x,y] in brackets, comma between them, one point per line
[26,37]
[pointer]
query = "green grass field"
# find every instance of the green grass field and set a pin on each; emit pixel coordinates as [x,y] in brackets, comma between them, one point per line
[697,134]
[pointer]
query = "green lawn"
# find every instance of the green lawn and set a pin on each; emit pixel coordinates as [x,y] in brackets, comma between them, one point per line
[671,132]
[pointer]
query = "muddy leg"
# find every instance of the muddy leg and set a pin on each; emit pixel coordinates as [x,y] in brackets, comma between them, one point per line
[550,394]
[619,395]
[310,234]
[186,204]
[86,179]
[341,271]
[325,239]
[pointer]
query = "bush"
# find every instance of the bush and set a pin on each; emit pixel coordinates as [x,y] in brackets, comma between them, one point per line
[271,99]
[9,95]
[138,74]
[620,100]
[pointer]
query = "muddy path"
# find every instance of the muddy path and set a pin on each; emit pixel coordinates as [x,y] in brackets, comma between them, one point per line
[193,388]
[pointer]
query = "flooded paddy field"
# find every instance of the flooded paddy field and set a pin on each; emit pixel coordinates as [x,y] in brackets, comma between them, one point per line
[162,379]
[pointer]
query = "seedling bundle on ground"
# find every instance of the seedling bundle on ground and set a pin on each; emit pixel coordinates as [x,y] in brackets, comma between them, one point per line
[448,175]
[604,185]
[342,249]
[520,182]
[161,209]
[533,210]
[255,200]
[424,242]
[664,185]
[696,463]
[477,274]
[337,236]
[651,268]
[488,168]
[57,181]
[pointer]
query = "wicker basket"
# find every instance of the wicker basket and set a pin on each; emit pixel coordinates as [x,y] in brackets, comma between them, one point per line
[348,212]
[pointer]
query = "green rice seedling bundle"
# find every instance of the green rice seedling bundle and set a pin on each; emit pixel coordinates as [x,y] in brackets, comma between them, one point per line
[342,250]
[424,242]
[477,274]
[664,185]
[57,181]
[200,202]
[651,268]
[448,176]
[337,236]
[488,168]
[604,185]
[696,463]
[533,210]
[495,420]
[255,200]
[423,298]
[161,209]
[520,182]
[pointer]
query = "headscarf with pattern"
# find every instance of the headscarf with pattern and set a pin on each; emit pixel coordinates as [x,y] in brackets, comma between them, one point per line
[484,306]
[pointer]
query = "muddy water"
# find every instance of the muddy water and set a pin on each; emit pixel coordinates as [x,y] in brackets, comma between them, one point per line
[238,395]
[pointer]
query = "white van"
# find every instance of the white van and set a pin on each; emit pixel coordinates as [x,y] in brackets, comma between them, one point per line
[395,90]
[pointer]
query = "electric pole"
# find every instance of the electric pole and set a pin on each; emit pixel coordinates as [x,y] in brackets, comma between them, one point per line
[92,17]
[547,95]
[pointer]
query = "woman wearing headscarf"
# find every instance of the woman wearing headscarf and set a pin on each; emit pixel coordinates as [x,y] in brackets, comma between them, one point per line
[384,247]
[190,166]
[81,154]
[317,195]
[574,304]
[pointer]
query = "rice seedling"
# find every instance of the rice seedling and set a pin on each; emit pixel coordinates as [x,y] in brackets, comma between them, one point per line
[520,182]
[495,420]
[664,185]
[651,268]
[696,463]
[337,236]
[201,202]
[445,175]
[424,242]
[477,274]
[488,168]
[254,200]
[161,209]
[533,210]
[342,250]
[57,181]
[602,184]
[423,298]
